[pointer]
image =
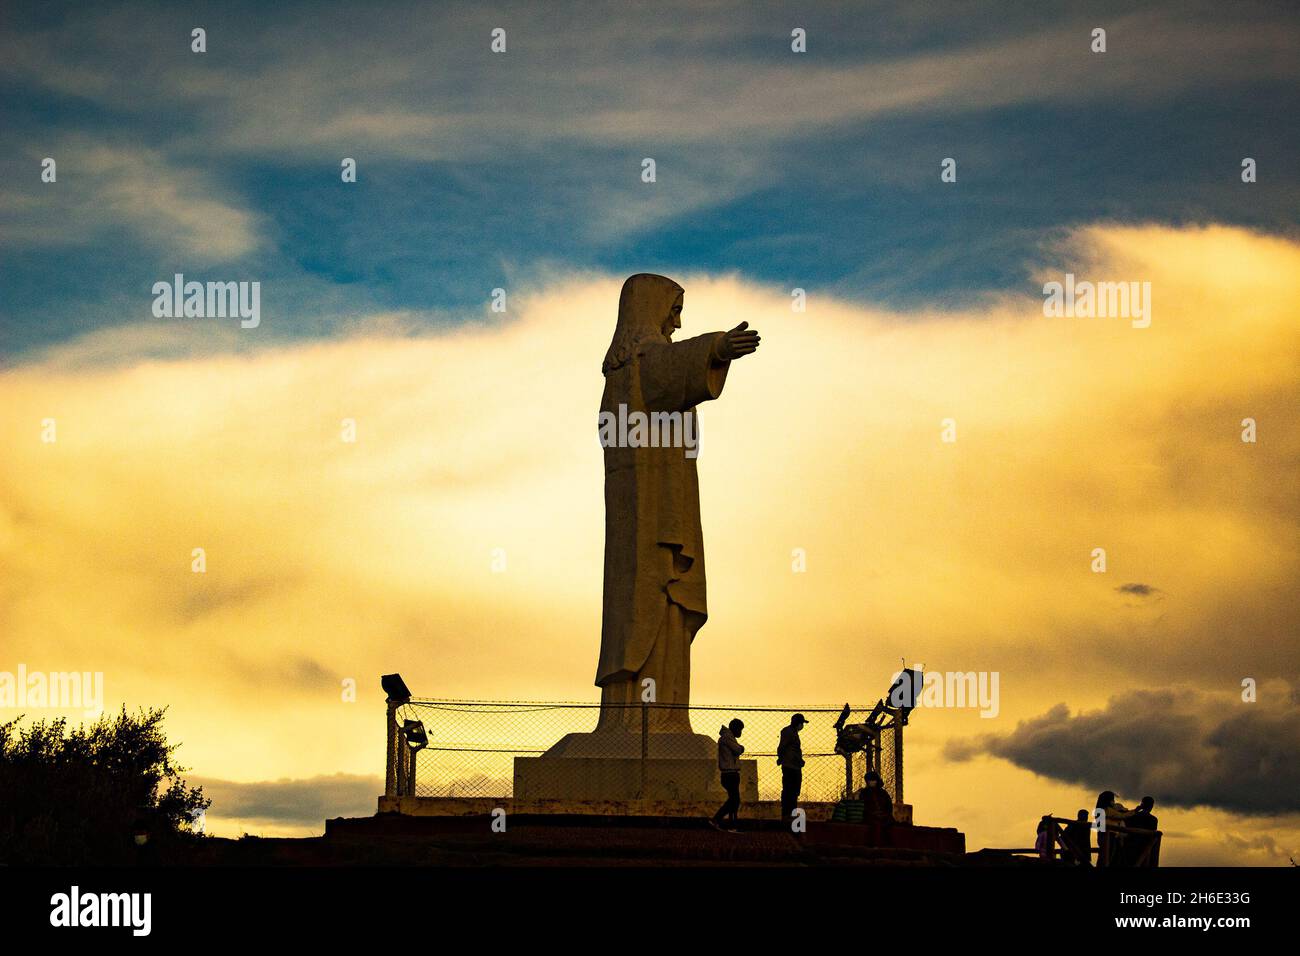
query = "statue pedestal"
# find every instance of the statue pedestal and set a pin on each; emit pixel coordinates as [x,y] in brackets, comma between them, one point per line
[611,765]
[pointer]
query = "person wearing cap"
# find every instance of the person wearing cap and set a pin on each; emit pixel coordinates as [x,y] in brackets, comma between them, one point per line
[789,756]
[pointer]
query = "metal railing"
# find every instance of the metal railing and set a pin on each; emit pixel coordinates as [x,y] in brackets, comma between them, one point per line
[1117,845]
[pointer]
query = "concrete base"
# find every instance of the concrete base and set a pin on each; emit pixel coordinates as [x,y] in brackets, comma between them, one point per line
[605,779]
[614,765]
[617,743]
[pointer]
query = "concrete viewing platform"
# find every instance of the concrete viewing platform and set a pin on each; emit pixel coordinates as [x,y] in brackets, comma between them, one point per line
[532,839]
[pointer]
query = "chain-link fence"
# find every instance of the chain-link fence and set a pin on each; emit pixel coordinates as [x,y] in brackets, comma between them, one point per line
[473,748]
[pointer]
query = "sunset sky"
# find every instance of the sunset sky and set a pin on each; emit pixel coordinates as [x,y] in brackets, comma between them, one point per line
[476,430]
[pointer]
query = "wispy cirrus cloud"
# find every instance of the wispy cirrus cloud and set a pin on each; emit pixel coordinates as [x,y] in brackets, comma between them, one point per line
[817,170]
[103,188]
[297,86]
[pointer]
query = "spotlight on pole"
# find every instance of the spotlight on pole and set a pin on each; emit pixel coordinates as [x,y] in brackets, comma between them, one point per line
[395,688]
[905,692]
[413,733]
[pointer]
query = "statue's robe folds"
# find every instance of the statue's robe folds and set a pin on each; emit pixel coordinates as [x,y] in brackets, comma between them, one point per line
[654,594]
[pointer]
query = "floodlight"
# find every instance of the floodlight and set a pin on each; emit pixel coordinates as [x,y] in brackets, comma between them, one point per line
[395,687]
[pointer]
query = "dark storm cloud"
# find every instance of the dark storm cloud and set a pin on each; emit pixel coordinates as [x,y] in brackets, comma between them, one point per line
[307,800]
[1183,747]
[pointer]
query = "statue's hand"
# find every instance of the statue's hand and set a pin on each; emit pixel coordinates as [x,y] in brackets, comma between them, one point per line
[740,341]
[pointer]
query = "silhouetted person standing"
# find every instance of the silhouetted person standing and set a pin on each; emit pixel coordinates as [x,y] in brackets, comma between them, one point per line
[1079,833]
[1141,819]
[789,756]
[1043,839]
[1109,843]
[729,751]
[877,807]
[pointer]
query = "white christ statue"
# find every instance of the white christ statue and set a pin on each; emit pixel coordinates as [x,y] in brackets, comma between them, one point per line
[654,595]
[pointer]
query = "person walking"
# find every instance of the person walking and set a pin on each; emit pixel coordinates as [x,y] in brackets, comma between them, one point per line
[729,751]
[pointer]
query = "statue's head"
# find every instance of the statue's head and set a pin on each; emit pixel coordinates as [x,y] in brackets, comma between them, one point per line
[649,311]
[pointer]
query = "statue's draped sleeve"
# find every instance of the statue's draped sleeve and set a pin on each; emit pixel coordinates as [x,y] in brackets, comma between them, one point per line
[654,547]
[677,376]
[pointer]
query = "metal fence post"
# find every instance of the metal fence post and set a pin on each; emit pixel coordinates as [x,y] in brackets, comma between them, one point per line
[403,762]
[390,763]
[898,759]
[645,742]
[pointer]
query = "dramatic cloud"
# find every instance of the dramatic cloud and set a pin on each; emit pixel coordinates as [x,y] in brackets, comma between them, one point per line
[330,561]
[478,170]
[1183,747]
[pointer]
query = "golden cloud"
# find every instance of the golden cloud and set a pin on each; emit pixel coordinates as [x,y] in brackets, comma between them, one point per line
[329,559]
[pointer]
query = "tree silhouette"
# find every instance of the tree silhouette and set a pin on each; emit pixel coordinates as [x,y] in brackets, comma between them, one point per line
[84,795]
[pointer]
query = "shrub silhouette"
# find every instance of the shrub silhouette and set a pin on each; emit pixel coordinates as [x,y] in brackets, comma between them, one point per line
[79,796]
